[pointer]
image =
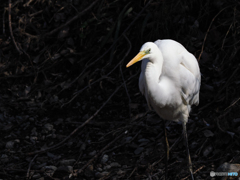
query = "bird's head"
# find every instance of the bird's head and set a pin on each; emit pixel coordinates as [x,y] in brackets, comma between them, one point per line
[147,51]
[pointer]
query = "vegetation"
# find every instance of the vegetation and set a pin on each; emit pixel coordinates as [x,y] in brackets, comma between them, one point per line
[70,108]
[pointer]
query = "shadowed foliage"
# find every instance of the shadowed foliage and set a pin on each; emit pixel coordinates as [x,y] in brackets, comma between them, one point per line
[70,108]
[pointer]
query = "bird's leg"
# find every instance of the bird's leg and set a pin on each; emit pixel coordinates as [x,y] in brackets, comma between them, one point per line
[166,149]
[187,149]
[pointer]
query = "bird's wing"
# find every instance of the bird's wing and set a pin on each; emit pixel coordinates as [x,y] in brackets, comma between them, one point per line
[188,77]
[142,82]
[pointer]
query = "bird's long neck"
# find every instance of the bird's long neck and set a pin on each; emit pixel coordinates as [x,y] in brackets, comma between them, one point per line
[154,70]
[153,76]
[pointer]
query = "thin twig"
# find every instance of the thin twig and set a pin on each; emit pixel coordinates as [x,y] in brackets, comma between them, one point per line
[30,164]
[62,8]
[120,145]
[200,149]
[149,177]
[232,104]
[30,35]
[73,19]
[132,172]
[129,99]
[36,13]
[4,12]
[81,150]
[10,26]
[219,117]
[226,36]
[16,2]
[27,3]
[208,31]
[194,172]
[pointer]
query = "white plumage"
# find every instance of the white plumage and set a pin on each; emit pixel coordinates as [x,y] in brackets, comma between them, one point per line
[170,79]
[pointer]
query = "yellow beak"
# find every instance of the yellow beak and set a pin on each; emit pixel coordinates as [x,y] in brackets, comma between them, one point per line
[137,58]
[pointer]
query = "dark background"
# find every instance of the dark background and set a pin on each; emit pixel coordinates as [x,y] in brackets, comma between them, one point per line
[69,106]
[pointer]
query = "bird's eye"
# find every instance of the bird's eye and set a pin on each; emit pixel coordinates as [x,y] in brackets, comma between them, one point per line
[148,51]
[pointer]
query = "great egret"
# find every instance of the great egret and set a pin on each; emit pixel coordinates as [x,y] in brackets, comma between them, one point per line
[170,81]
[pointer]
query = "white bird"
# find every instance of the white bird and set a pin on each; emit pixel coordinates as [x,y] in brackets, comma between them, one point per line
[170,81]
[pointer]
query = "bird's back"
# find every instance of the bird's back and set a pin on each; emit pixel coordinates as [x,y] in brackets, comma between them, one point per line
[176,56]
